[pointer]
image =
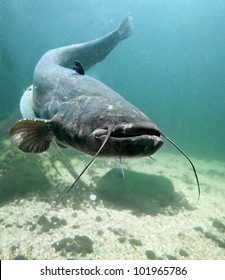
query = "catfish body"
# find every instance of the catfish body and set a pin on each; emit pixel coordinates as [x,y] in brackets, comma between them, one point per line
[66,105]
[76,110]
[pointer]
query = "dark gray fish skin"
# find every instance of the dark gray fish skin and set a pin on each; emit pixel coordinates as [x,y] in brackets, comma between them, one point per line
[79,109]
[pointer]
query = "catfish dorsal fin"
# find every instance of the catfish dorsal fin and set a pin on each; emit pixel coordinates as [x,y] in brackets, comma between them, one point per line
[32,135]
[78,67]
[192,165]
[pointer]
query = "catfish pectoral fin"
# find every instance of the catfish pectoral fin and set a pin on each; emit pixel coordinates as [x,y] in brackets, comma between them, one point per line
[32,135]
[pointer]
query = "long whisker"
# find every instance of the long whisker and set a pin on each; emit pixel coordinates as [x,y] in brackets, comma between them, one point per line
[193,167]
[86,167]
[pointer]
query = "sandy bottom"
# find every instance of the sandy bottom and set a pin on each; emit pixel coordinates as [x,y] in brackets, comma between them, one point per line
[147,211]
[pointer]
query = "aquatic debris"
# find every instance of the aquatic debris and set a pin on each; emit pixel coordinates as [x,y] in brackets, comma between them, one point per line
[183,253]
[47,225]
[98,218]
[122,239]
[209,235]
[20,257]
[117,231]
[200,229]
[79,245]
[135,242]
[218,225]
[150,255]
[171,257]
[100,232]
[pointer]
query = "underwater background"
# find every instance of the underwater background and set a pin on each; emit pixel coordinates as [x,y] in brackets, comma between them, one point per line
[172,68]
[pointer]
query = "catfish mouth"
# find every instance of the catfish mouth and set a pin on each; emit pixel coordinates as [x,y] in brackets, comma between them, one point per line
[129,133]
[129,141]
[134,133]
